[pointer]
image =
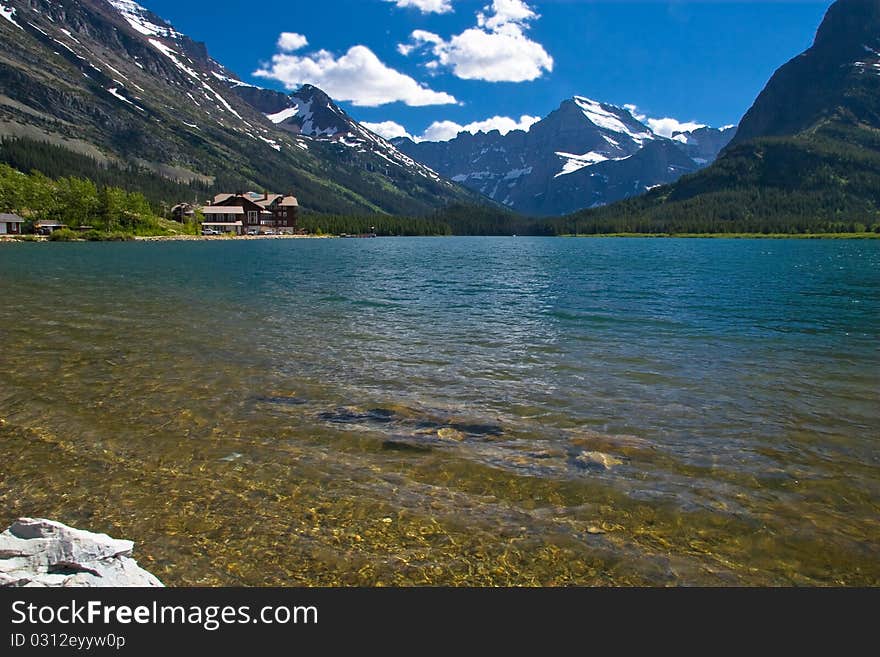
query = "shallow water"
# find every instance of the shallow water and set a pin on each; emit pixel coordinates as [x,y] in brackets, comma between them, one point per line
[437,411]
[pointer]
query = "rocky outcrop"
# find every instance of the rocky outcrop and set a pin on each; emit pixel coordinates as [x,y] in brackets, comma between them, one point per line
[37,552]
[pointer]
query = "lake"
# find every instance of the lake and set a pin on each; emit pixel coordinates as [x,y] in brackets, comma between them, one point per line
[482,411]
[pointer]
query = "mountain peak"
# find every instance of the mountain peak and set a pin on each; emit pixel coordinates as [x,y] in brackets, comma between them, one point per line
[612,118]
[311,93]
[847,20]
[584,153]
[837,78]
[143,20]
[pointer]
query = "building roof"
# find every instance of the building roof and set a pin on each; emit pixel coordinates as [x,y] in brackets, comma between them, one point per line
[50,224]
[7,218]
[221,223]
[271,198]
[260,200]
[222,209]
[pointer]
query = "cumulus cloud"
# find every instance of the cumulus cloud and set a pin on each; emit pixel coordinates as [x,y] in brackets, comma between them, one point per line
[446,130]
[505,12]
[291,41]
[358,76]
[496,50]
[666,127]
[425,6]
[387,129]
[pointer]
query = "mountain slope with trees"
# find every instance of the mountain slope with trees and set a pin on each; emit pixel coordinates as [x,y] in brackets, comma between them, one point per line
[806,157]
[110,80]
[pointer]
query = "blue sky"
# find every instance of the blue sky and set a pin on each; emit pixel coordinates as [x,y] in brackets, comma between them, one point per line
[437,65]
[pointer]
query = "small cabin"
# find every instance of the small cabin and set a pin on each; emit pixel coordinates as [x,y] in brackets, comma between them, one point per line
[48,227]
[10,224]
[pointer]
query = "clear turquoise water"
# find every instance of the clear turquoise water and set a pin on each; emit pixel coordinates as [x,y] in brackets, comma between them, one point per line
[414,410]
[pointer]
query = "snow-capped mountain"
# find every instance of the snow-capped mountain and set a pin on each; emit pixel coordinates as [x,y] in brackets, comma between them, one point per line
[309,112]
[584,154]
[113,80]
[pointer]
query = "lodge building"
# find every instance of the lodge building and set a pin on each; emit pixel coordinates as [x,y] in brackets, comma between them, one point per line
[251,213]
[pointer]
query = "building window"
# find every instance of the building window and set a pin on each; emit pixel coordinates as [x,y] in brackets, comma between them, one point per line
[252,217]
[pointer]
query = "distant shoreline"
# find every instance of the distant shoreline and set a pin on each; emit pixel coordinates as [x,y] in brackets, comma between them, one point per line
[223,238]
[744,236]
[167,238]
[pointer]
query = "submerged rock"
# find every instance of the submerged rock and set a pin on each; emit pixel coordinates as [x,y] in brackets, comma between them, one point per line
[37,552]
[448,433]
[597,460]
[402,446]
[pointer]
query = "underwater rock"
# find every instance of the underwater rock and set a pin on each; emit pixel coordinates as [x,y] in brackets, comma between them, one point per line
[346,415]
[402,446]
[40,553]
[448,433]
[596,461]
[282,400]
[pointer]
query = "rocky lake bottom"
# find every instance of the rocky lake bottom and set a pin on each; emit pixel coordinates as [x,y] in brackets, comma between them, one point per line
[465,411]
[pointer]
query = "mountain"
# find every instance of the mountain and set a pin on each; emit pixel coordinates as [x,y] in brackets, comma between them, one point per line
[309,112]
[583,154]
[806,156]
[112,81]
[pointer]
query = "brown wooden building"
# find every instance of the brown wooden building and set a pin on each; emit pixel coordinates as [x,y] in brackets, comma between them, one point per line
[259,213]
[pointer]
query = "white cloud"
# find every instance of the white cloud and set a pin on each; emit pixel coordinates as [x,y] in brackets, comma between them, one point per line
[666,127]
[357,76]
[496,50]
[505,12]
[635,112]
[425,6]
[387,129]
[291,41]
[446,130]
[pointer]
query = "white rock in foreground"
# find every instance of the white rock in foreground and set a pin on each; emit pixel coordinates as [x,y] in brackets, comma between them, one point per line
[37,552]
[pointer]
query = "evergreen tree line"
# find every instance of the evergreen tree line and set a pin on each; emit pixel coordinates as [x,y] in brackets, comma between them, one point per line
[57,162]
[827,184]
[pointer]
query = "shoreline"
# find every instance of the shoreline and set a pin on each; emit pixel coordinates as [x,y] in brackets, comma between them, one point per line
[222,238]
[33,239]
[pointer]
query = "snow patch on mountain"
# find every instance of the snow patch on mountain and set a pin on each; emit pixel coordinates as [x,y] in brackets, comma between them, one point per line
[272,143]
[172,55]
[572,162]
[136,16]
[114,91]
[608,120]
[283,115]
[232,82]
[9,14]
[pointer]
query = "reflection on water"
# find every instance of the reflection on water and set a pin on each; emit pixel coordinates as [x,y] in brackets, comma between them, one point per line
[463,410]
